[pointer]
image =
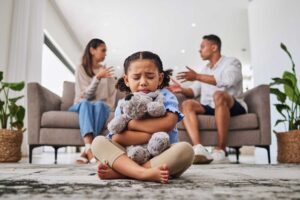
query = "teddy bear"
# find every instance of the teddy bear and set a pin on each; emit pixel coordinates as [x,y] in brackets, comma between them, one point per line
[139,105]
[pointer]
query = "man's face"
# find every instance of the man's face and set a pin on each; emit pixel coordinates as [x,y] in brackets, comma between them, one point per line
[207,49]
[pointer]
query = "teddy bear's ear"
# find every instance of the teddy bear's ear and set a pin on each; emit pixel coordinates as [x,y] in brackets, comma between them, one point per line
[128,97]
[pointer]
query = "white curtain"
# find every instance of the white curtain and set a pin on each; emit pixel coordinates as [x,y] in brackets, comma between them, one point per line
[25,55]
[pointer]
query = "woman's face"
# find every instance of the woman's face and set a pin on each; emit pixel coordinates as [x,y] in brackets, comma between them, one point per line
[99,53]
[143,76]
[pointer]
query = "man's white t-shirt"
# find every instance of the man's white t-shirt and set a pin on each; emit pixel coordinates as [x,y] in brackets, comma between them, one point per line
[228,74]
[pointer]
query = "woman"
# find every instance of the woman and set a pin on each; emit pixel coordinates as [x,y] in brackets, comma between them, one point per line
[94,95]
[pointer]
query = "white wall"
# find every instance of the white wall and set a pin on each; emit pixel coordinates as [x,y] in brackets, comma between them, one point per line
[272,22]
[6,8]
[164,27]
[61,34]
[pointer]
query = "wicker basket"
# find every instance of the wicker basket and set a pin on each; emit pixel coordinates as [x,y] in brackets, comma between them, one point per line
[10,145]
[288,147]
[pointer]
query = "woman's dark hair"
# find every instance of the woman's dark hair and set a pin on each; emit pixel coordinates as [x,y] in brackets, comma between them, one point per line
[87,60]
[144,55]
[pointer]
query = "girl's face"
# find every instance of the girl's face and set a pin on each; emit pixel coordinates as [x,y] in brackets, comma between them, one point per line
[143,76]
[99,53]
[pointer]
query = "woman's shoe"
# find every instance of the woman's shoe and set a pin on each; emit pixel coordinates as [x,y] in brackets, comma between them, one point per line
[82,159]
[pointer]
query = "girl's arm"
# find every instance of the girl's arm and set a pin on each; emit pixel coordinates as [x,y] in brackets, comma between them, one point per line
[152,125]
[128,138]
[140,131]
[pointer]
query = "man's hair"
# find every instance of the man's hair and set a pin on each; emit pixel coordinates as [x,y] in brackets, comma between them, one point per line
[214,39]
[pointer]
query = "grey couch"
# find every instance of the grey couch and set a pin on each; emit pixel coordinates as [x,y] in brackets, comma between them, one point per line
[251,129]
[49,122]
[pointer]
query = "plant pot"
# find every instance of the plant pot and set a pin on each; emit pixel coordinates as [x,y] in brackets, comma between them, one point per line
[288,146]
[10,145]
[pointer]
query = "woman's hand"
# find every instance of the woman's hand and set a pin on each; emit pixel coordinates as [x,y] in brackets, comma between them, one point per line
[175,87]
[189,75]
[105,72]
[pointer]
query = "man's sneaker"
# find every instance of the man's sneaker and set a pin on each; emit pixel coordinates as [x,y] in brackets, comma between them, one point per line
[219,157]
[202,156]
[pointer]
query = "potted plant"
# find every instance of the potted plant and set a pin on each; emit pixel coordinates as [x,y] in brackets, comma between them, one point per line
[11,121]
[288,106]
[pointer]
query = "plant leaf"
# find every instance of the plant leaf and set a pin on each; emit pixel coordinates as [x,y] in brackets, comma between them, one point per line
[15,86]
[20,113]
[1,75]
[18,125]
[13,109]
[283,47]
[1,104]
[297,122]
[280,121]
[281,107]
[279,81]
[14,100]
[291,92]
[280,95]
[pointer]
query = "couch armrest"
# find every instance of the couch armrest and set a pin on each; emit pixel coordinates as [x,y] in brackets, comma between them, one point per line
[39,100]
[258,102]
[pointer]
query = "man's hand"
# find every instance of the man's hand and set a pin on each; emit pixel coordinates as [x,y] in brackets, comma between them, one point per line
[175,87]
[105,72]
[189,75]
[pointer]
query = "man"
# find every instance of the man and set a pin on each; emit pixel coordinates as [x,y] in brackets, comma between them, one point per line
[220,86]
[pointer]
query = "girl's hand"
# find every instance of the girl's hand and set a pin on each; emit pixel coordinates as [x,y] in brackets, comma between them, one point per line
[175,87]
[189,75]
[105,72]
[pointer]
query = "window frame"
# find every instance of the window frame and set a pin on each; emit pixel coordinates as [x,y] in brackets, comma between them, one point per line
[58,54]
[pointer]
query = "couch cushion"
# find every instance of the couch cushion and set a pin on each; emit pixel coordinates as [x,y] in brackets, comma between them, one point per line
[63,119]
[68,95]
[240,122]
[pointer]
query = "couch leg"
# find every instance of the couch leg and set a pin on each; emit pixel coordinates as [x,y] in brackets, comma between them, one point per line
[269,155]
[31,147]
[77,149]
[55,154]
[267,147]
[237,153]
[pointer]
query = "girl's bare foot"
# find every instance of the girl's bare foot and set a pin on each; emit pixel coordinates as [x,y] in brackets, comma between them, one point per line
[159,174]
[105,172]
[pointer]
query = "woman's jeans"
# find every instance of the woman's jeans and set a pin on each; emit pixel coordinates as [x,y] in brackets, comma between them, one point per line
[92,116]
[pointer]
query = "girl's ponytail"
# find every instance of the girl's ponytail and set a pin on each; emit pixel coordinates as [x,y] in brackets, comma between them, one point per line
[167,78]
[120,85]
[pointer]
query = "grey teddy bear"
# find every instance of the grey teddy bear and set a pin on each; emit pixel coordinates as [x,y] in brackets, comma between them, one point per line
[139,105]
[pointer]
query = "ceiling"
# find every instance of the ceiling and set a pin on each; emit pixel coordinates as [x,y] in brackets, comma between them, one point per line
[171,28]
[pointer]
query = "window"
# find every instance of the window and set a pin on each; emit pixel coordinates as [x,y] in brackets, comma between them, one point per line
[55,68]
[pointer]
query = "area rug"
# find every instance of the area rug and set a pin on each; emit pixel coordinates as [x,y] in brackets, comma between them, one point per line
[230,181]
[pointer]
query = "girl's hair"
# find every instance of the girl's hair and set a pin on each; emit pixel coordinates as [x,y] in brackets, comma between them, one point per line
[87,60]
[144,55]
